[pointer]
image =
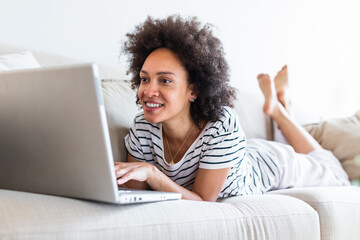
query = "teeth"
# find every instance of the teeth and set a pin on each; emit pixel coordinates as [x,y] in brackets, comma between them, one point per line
[153,105]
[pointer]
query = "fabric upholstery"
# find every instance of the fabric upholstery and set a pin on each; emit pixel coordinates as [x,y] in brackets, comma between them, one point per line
[338,209]
[254,122]
[36,216]
[342,137]
[49,59]
[120,106]
[14,61]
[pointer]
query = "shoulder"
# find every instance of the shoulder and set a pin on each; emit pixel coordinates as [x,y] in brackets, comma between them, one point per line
[227,123]
[229,118]
[223,143]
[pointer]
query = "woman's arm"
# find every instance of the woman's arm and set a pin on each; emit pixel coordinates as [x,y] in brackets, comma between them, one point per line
[207,186]
[209,182]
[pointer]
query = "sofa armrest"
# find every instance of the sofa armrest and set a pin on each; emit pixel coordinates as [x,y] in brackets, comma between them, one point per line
[338,209]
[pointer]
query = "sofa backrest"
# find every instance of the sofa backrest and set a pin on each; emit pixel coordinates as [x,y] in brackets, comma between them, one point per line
[119,100]
[48,60]
[121,109]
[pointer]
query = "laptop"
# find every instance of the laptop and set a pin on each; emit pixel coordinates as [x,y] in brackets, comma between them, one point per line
[54,137]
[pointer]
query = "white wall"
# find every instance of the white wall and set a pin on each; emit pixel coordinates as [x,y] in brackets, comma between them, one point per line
[318,39]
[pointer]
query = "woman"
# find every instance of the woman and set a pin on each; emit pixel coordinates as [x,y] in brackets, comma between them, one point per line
[188,139]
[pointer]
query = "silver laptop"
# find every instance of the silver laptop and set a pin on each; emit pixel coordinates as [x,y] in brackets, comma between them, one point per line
[54,137]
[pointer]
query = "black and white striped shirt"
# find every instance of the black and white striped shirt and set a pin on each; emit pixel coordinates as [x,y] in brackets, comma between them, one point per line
[221,144]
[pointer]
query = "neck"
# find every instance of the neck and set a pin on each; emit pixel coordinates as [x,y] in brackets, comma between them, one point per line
[176,131]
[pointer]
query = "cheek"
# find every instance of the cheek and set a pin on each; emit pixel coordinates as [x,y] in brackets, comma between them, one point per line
[177,99]
[140,92]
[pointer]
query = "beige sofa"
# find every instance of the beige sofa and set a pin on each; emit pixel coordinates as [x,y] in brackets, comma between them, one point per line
[312,213]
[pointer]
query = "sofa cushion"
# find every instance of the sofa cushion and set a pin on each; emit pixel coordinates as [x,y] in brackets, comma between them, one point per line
[36,216]
[338,209]
[14,61]
[254,122]
[50,59]
[119,100]
[342,137]
[265,217]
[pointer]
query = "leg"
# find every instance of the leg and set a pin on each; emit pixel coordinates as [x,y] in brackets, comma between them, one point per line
[299,139]
[282,88]
[282,92]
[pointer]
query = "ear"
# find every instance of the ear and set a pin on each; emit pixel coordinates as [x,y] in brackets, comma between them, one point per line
[193,94]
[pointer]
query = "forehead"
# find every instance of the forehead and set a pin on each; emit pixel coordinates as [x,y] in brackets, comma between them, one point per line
[163,59]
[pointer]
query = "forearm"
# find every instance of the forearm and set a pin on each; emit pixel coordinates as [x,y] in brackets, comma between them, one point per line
[160,182]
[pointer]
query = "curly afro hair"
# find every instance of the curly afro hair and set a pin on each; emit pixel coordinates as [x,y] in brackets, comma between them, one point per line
[200,52]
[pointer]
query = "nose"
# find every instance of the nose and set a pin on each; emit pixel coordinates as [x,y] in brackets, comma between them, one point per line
[152,89]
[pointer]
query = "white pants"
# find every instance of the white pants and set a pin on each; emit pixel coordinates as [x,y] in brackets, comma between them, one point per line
[317,168]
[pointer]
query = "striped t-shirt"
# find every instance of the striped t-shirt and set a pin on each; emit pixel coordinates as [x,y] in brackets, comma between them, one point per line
[221,144]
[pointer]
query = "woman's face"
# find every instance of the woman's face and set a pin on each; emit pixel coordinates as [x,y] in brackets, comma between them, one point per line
[164,91]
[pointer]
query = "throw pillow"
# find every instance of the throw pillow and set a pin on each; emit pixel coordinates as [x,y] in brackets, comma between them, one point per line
[3,67]
[342,137]
[120,106]
[15,61]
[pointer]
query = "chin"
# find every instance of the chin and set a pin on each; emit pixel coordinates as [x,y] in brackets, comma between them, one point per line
[151,119]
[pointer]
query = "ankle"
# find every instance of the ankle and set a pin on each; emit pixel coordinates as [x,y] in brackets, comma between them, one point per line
[279,112]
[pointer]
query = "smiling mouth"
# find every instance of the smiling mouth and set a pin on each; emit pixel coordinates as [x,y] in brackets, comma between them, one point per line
[153,105]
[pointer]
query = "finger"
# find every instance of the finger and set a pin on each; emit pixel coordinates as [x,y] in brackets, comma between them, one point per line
[125,178]
[122,168]
[139,173]
[122,171]
[119,165]
[121,181]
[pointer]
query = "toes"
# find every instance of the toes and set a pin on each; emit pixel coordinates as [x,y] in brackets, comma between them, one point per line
[262,76]
[283,70]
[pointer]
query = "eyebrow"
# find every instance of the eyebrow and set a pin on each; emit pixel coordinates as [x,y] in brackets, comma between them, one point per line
[159,73]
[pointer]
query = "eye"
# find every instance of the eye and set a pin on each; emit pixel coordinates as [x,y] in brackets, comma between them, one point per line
[143,80]
[166,81]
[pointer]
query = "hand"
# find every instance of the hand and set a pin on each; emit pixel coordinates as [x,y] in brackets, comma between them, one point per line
[139,171]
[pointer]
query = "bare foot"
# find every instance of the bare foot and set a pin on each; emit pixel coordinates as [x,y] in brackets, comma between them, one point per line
[267,88]
[282,87]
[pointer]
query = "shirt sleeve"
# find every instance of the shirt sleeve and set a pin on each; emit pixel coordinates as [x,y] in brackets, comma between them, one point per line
[132,144]
[225,145]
